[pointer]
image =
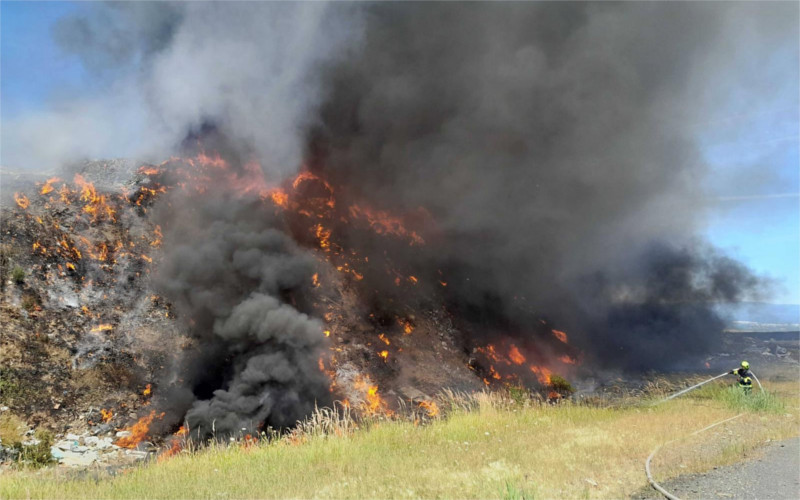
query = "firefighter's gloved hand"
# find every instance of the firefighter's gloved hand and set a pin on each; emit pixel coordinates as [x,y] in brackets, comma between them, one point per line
[733,372]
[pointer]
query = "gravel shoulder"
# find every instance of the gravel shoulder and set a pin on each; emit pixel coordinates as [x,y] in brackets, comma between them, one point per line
[774,475]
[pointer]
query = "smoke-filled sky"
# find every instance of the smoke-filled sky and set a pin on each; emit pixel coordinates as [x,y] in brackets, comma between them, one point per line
[85,80]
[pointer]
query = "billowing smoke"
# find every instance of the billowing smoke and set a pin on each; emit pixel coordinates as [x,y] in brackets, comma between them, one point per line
[550,144]
[160,69]
[230,271]
[554,146]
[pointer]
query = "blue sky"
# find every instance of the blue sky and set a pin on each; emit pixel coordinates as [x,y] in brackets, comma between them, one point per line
[751,148]
[33,67]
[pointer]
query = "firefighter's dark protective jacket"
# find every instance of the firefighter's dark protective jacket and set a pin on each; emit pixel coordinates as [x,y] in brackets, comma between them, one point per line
[742,372]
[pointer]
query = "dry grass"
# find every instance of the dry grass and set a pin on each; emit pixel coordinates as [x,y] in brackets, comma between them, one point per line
[12,429]
[489,446]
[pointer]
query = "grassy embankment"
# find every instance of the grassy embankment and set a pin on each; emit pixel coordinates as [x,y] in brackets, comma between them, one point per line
[492,447]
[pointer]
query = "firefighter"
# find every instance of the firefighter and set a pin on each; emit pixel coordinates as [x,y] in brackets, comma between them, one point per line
[746,384]
[745,380]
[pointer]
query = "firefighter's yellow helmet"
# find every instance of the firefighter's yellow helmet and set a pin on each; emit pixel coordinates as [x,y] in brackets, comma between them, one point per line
[745,365]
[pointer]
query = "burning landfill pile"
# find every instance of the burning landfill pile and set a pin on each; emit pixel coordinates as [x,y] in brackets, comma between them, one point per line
[301,327]
[425,230]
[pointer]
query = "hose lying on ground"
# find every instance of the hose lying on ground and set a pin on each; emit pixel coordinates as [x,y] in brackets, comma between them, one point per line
[652,481]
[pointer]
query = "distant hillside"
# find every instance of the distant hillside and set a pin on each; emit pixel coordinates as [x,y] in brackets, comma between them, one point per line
[760,313]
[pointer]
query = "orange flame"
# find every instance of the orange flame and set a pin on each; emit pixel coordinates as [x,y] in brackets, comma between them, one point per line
[279,198]
[373,403]
[138,431]
[407,326]
[560,335]
[146,170]
[384,223]
[106,414]
[157,240]
[22,200]
[214,160]
[568,360]
[515,355]
[384,339]
[384,355]
[48,186]
[323,237]
[147,390]
[542,374]
[430,407]
[102,328]
[95,204]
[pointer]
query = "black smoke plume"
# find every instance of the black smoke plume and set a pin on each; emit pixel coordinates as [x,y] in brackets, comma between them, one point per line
[551,144]
[231,273]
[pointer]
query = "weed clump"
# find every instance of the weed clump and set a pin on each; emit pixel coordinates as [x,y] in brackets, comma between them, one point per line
[561,385]
[519,394]
[29,303]
[757,400]
[36,454]
[18,275]
[10,388]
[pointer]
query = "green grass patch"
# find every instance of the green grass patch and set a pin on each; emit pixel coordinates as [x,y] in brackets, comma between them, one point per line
[18,275]
[514,492]
[10,388]
[38,454]
[757,400]
[735,398]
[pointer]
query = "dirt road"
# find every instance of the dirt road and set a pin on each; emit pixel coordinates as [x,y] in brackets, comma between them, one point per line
[775,476]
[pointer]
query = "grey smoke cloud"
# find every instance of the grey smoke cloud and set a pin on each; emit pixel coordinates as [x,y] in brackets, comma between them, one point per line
[170,67]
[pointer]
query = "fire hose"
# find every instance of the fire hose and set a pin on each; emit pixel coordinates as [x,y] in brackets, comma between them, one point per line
[684,391]
[652,481]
